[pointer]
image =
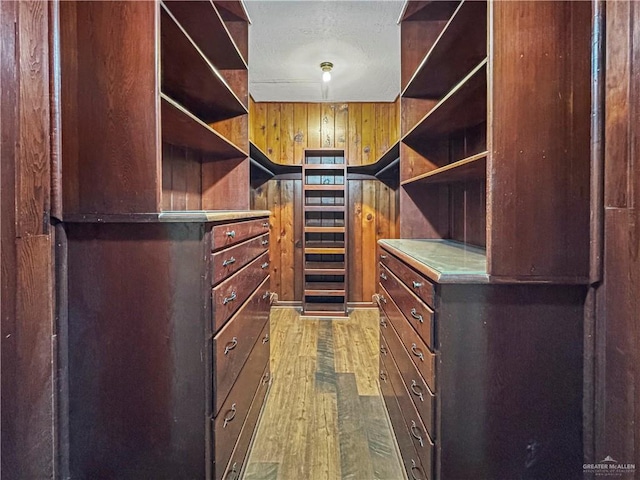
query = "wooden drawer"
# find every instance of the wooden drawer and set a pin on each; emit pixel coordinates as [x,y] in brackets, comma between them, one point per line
[410,457]
[421,356]
[236,464]
[229,295]
[233,343]
[228,261]
[423,399]
[416,282]
[419,315]
[231,233]
[229,421]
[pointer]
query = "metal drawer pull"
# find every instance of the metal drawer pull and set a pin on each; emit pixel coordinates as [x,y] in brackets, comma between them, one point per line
[417,469]
[416,351]
[231,345]
[265,242]
[266,294]
[231,234]
[231,298]
[383,323]
[265,339]
[264,265]
[383,276]
[382,257]
[265,224]
[383,349]
[233,473]
[229,418]
[416,315]
[414,387]
[382,299]
[416,284]
[228,262]
[383,376]
[415,435]
[265,378]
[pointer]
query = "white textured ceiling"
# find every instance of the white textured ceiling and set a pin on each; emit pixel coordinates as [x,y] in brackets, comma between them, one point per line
[289,39]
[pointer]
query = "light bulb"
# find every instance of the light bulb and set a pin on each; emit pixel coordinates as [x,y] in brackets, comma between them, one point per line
[326,76]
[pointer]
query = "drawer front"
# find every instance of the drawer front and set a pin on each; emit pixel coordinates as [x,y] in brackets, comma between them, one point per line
[229,295]
[228,261]
[233,343]
[231,233]
[410,457]
[423,399]
[421,356]
[420,316]
[416,282]
[236,464]
[229,421]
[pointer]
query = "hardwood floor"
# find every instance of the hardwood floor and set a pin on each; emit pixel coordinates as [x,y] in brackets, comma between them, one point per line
[324,417]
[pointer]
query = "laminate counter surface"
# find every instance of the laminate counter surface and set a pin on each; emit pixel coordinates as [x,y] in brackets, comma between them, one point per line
[443,261]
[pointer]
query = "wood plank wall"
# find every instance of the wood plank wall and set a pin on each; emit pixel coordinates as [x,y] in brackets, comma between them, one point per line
[365,131]
[617,312]
[28,446]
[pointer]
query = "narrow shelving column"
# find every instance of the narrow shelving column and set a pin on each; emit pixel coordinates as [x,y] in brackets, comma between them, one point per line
[325,237]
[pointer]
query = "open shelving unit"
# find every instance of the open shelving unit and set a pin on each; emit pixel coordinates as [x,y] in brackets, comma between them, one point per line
[175,106]
[324,210]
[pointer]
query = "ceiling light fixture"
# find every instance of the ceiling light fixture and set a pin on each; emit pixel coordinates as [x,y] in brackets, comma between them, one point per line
[326,71]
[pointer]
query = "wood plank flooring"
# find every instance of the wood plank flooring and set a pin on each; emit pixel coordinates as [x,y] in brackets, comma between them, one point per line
[324,417]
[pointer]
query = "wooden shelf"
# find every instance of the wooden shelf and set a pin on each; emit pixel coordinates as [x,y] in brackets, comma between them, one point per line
[324,229]
[324,289]
[316,309]
[324,208]
[460,47]
[206,27]
[262,161]
[181,128]
[324,268]
[339,187]
[324,166]
[385,161]
[188,77]
[465,106]
[474,167]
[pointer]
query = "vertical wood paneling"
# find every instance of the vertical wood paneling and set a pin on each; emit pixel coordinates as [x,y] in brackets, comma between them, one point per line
[286,133]
[368,226]
[286,240]
[300,129]
[382,128]
[327,125]
[355,134]
[355,240]
[368,142]
[258,121]
[298,224]
[273,129]
[341,119]
[313,125]
[275,242]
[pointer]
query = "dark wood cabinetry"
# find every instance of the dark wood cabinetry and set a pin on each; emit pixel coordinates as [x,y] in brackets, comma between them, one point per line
[162,375]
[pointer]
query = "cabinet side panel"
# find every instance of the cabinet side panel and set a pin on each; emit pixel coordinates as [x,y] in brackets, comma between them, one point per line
[110,117]
[538,171]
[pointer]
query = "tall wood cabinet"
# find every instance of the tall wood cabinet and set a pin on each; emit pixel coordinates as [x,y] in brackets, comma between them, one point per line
[482,297]
[168,281]
[324,223]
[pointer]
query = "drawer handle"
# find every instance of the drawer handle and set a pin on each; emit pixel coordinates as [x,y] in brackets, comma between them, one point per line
[416,351]
[265,242]
[266,294]
[231,234]
[383,349]
[230,417]
[383,323]
[417,469]
[228,262]
[231,345]
[265,224]
[416,315]
[382,299]
[383,376]
[418,393]
[382,257]
[233,473]
[265,339]
[416,284]
[417,436]
[383,276]
[230,298]
[265,378]
[264,265]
